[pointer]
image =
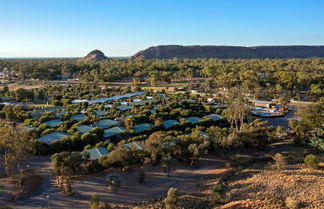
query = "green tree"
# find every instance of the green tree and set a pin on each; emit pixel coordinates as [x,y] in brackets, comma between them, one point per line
[65,166]
[167,163]
[24,95]
[238,108]
[310,123]
[15,144]
[154,77]
[135,84]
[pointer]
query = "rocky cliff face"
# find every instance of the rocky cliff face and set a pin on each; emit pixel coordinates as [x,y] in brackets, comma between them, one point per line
[95,55]
[180,52]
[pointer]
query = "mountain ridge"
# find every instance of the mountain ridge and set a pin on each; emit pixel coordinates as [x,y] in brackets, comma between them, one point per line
[225,52]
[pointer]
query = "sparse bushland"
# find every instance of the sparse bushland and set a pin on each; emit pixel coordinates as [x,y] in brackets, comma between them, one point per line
[275,76]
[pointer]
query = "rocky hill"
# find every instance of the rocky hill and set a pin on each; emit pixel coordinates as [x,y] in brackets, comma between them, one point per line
[196,51]
[95,55]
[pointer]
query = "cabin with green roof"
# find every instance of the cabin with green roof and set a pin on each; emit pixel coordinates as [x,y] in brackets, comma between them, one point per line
[85,128]
[100,113]
[169,123]
[193,120]
[134,145]
[96,153]
[47,139]
[143,127]
[214,117]
[53,123]
[114,132]
[106,123]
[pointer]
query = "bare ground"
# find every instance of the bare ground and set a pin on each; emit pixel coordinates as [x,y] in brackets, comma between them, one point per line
[270,187]
[256,186]
[157,183]
[259,185]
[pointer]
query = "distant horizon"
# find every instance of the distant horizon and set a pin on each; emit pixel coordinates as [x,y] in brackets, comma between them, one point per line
[61,28]
[116,57]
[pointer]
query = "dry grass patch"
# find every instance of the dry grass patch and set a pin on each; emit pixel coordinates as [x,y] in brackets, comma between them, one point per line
[273,187]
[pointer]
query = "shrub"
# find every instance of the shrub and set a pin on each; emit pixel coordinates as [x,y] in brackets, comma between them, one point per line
[89,138]
[110,147]
[217,193]
[317,143]
[39,148]
[42,127]
[28,122]
[98,131]
[87,147]
[102,144]
[219,111]
[122,157]
[114,182]
[47,131]
[291,203]
[172,198]
[279,130]
[218,189]
[311,161]
[94,201]
[280,161]
[46,117]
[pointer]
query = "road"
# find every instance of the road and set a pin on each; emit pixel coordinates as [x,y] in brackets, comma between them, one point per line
[156,184]
[48,194]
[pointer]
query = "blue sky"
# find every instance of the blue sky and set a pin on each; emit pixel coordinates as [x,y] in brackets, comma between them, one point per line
[63,28]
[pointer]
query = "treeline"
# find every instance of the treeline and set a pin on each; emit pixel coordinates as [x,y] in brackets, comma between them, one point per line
[253,74]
